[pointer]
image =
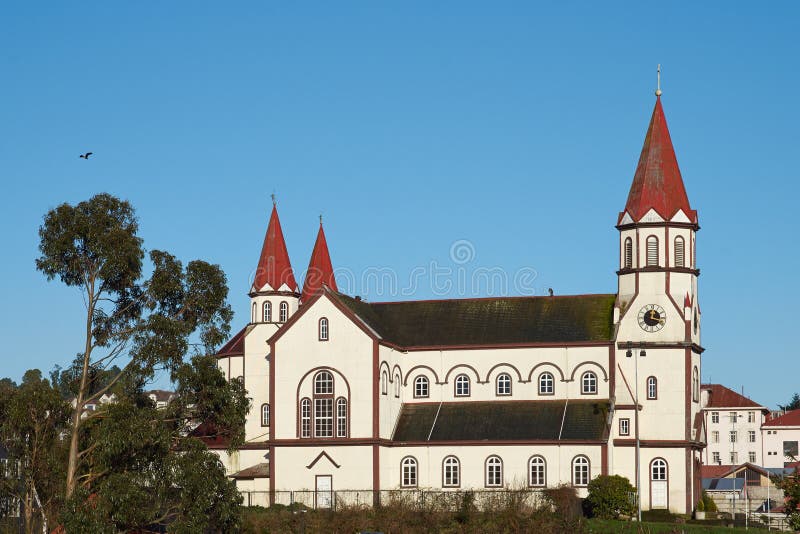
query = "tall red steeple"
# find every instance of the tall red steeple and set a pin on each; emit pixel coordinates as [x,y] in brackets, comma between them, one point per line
[657,183]
[320,270]
[274,267]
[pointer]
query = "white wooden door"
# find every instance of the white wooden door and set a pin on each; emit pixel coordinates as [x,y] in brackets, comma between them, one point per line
[324,491]
[658,494]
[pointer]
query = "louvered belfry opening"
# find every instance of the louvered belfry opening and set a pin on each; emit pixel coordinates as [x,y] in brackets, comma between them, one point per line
[680,256]
[652,251]
[628,253]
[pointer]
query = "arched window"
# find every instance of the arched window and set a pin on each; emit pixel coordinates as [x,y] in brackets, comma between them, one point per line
[305,418]
[451,472]
[546,384]
[680,254]
[494,472]
[580,471]
[265,415]
[284,311]
[628,253]
[408,472]
[323,405]
[341,417]
[255,317]
[421,387]
[652,387]
[589,383]
[652,251]
[503,386]
[462,386]
[658,469]
[323,329]
[384,383]
[397,386]
[695,385]
[266,312]
[537,471]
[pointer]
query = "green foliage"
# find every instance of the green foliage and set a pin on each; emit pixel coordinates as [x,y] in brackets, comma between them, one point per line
[701,507]
[609,496]
[790,484]
[708,503]
[794,404]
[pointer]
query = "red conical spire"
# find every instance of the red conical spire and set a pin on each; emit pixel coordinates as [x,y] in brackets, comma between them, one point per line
[657,183]
[274,267]
[320,270]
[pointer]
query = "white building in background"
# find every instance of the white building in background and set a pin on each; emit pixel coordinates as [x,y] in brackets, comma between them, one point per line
[733,427]
[482,393]
[781,436]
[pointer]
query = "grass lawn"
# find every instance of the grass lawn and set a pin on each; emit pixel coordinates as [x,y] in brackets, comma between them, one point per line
[603,526]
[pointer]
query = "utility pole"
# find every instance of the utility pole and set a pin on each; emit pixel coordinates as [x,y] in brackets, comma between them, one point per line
[629,354]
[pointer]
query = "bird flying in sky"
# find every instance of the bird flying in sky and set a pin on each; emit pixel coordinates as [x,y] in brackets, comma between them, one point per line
[86,156]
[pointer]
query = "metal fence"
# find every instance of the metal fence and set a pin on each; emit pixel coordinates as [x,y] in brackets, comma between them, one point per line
[432,500]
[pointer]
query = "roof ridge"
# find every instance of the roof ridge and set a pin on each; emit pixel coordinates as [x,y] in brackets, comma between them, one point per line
[474,299]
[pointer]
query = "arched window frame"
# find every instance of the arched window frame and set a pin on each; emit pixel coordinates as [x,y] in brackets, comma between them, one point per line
[652,388]
[408,472]
[266,312]
[659,469]
[680,251]
[384,383]
[421,387]
[397,386]
[581,471]
[462,386]
[628,253]
[324,329]
[652,259]
[537,471]
[589,383]
[305,418]
[283,315]
[547,383]
[341,418]
[265,414]
[451,472]
[493,472]
[695,384]
[254,317]
[503,385]
[324,416]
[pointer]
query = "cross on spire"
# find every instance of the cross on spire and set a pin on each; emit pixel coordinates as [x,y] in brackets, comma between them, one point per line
[658,83]
[274,202]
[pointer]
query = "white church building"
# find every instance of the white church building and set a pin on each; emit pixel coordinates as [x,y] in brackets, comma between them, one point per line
[486,392]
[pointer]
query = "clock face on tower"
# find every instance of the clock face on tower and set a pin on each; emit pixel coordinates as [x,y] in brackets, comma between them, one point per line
[652,318]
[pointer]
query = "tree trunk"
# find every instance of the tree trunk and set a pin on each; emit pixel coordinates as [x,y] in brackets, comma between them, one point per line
[28,513]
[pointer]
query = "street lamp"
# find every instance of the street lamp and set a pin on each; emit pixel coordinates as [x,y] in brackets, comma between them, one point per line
[642,354]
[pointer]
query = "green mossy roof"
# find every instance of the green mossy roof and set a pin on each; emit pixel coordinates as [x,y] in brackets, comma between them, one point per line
[490,321]
[503,420]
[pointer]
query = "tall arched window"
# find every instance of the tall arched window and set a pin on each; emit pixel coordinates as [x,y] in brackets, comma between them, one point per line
[680,252]
[266,312]
[659,494]
[341,417]
[397,386]
[305,418]
[255,317]
[265,415]
[384,383]
[537,472]
[652,251]
[589,383]
[408,472]
[580,471]
[421,387]
[323,329]
[652,387]
[451,472]
[462,386]
[546,384]
[503,385]
[695,385]
[628,253]
[323,405]
[494,472]
[658,469]
[283,312]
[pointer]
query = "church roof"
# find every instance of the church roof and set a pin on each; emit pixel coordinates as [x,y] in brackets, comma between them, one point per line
[657,183]
[548,420]
[274,267]
[320,269]
[234,346]
[488,321]
[721,397]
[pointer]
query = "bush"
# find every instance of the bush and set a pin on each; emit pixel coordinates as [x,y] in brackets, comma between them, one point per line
[700,506]
[609,497]
[709,503]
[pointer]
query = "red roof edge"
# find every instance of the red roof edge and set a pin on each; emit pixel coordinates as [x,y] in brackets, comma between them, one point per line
[234,346]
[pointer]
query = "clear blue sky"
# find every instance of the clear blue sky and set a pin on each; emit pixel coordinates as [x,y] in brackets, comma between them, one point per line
[410,126]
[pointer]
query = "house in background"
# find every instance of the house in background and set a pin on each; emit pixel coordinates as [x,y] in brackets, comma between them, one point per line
[781,436]
[733,425]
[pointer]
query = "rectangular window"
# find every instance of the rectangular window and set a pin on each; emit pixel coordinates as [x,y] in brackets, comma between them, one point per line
[751,457]
[734,458]
[305,417]
[715,436]
[624,427]
[790,449]
[732,435]
[341,418]
[715,417]
[715,458]
[751,417]
[732,417]
[751,436]
[323,418]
